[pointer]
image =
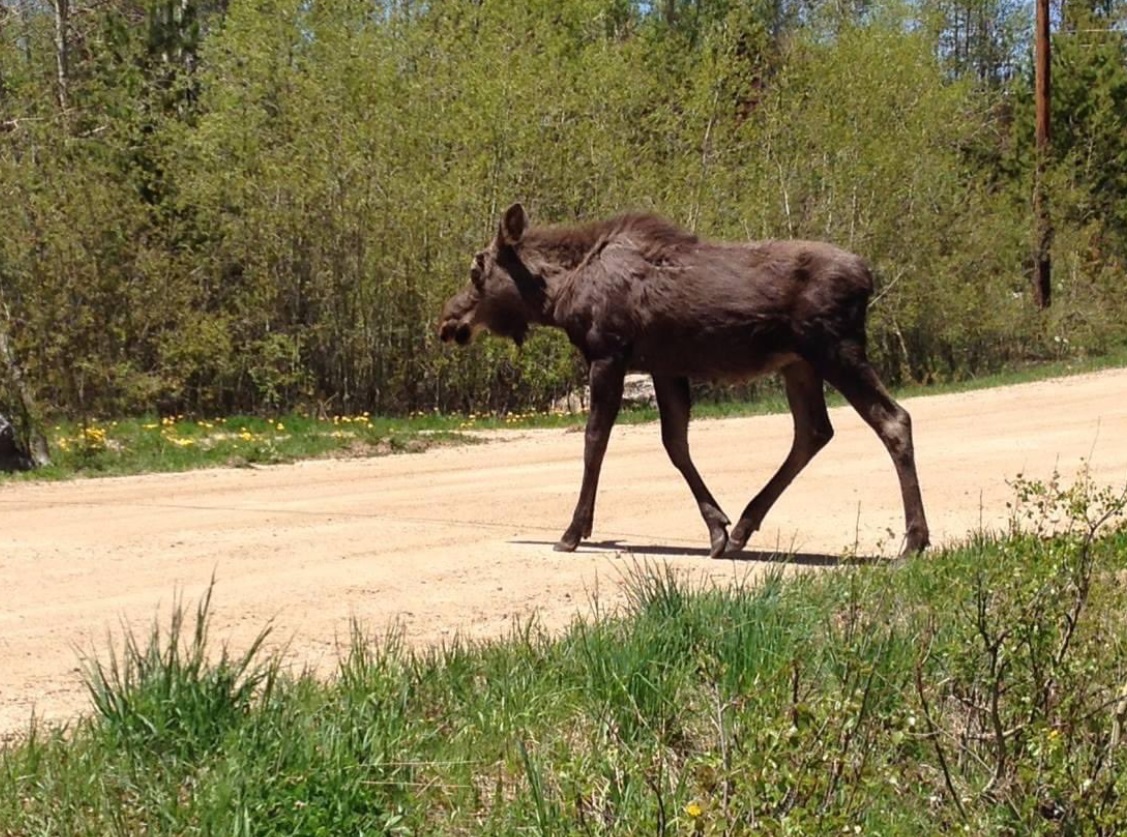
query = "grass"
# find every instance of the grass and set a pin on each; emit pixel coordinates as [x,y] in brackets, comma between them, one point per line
[977,690]
[774,401]
[1115,358]
[180,443]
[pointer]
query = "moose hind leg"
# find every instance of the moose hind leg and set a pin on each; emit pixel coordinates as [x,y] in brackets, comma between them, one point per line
[812,431]
[673,403]
[856,379]
[607,377]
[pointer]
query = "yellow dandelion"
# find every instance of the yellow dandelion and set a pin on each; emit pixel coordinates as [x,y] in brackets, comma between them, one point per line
[279,426]
[694,809]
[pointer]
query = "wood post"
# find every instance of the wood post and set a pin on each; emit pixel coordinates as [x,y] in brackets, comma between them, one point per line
[1043,233]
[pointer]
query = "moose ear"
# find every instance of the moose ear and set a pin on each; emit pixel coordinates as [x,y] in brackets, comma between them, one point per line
[513,224]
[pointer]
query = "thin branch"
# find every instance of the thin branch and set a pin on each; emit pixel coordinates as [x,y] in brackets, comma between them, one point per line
[933,732]
[886,289]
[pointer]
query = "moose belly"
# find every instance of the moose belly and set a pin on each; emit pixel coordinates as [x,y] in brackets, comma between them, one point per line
[710,357]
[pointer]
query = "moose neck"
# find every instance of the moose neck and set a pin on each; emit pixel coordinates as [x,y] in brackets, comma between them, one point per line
[552,254]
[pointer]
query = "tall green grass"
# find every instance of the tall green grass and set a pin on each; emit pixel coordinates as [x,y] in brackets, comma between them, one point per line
[977,690]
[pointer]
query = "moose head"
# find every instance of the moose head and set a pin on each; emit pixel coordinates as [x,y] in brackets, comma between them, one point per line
[504,295]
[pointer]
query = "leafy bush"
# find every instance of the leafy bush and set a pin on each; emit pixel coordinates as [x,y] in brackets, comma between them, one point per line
[249,208]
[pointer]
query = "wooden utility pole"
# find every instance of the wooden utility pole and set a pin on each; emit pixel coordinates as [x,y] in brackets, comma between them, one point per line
[1043,267]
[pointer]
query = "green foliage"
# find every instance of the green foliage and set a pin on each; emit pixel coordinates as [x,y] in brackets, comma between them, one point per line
[174,443]
[258,207]
[168,700]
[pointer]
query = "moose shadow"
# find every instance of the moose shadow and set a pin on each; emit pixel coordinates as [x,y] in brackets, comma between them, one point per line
[801,559]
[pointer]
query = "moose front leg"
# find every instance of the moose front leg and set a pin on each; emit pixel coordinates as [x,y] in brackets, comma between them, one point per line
[674,404]
[607,378]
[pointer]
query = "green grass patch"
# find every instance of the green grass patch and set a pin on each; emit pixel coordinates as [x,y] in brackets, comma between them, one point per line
[977,690]
[1025,373]
[179,443]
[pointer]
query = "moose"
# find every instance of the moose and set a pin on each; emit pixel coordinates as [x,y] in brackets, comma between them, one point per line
[638,293]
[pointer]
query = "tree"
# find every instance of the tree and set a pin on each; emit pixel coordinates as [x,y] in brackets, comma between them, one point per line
[29,424]
[980,39]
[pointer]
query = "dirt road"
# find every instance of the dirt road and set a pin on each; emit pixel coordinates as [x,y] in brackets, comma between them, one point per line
[458,540]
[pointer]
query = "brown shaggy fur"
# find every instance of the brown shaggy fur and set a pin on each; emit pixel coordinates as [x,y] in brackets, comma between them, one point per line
[639,293]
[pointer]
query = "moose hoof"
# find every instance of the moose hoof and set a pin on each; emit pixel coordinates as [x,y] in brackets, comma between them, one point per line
[740,535]
[717,523]
[719,539]
[571,538]
[914,544]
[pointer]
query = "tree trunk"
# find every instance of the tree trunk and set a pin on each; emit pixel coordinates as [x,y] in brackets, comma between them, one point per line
[670,12]
[27,420]
[62,59]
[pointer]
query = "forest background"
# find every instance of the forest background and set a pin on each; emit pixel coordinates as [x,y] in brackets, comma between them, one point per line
[217,206]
